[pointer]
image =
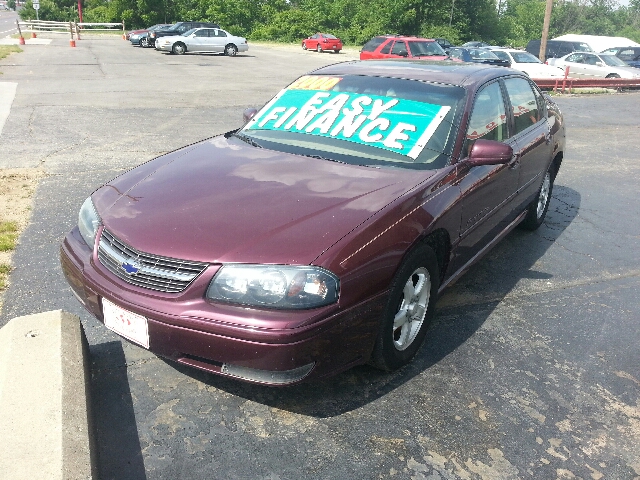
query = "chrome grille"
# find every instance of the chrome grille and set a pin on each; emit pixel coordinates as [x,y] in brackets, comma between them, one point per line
[144,270]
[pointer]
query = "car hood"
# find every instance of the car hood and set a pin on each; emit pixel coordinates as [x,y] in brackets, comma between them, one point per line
[224,201]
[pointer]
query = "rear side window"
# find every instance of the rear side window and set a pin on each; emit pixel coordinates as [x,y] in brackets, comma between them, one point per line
[523,102]
[387,48]
[372,44]
[399,47]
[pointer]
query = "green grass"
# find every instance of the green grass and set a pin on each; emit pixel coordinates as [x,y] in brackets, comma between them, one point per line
[4,272]
[6,50]
[8,236]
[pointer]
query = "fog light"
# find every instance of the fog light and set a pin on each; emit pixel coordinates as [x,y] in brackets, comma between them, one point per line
[267,376]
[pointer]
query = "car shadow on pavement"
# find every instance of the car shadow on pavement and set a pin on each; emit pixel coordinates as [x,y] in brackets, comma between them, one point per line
[460,312]
[117,440]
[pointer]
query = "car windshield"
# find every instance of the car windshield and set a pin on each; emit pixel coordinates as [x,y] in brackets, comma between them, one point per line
[425,48]
[482,54]
[524,57]
[613,61]
[373,121]
[188,32]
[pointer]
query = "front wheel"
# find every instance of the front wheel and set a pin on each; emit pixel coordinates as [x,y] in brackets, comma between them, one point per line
[304,46]
[319,49]
[537,210]
[179,48]
[230,50]
[409,310]
[613,75]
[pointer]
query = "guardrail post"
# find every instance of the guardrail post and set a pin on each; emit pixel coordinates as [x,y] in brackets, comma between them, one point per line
[124,33]
[21,41]
[77,30]
[72,42]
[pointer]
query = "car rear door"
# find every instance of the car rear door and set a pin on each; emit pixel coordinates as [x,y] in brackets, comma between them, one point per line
[218,40]
[531,135]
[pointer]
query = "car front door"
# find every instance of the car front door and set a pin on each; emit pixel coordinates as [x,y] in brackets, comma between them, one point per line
[531,135]
[593,66]
[488,191]
[399,49]
[198,41]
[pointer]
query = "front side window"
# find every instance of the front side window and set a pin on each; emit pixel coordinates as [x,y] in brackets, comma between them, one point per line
[488,118]
[503,56]
[455,53]
[202,33]
[576,58]
[625,54]
[363,120]
[523,102]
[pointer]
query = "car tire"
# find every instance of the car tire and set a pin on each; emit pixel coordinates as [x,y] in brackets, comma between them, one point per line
[613,75]
[304,46]
[179,48]
[537,209]
[319,49]
[144,42]
[231,50]
[409,310]
[336,51]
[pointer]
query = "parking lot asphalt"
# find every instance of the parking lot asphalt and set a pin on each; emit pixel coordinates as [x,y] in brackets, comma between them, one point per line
[530,370]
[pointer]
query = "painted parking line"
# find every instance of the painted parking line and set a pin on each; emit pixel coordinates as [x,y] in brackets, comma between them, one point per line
[7,94]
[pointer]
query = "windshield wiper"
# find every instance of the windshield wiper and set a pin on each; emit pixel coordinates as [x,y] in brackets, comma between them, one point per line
[247,139]
[320,157]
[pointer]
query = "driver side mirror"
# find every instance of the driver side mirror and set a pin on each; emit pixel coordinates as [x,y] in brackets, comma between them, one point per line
[600,64]
[249,113]
[489,152]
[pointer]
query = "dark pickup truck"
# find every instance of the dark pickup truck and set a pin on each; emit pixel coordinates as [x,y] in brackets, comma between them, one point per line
[178,29]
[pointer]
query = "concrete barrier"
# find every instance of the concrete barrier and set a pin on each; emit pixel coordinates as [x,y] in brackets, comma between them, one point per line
[45,422]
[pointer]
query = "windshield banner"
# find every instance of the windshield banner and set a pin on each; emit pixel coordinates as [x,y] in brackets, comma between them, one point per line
[394,124]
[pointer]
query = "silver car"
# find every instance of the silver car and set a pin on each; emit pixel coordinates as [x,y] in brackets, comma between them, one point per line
[594,65]
[208,40]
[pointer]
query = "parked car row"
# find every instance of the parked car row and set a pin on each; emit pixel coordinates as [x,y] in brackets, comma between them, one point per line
[183,37]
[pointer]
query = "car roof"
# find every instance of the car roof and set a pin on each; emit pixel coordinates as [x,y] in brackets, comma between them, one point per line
[408,37]
[452,73]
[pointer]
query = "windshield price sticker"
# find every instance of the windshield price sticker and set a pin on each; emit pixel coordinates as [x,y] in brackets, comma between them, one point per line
[394,124]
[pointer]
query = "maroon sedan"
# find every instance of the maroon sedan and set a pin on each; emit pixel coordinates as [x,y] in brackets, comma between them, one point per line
[319,235]
[322,42]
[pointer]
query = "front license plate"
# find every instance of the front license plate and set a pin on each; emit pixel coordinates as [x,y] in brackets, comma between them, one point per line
[128,324]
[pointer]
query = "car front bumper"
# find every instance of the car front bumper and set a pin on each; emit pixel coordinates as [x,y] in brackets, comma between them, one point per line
[320,342]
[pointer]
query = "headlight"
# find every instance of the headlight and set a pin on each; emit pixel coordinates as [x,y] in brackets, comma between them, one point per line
[274,286]
[88,222]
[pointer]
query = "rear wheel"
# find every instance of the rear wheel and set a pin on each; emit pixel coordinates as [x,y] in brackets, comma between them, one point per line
[179,48]
[409,310]
[144,42]
[319,49]
[230,50]
[336,51]
[537,210]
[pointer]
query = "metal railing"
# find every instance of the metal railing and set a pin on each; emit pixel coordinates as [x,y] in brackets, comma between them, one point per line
[568,84]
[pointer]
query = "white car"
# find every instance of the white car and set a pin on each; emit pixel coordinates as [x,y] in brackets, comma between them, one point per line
[594,65]
[527,63]
[207,40]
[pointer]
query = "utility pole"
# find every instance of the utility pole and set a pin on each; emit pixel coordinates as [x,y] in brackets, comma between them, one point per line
[453,2]
[545,31]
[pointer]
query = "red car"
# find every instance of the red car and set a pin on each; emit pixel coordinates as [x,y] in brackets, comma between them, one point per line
[321,42]
[319,235]
[397,46]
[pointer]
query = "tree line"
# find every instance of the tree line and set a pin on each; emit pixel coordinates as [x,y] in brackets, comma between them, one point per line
[499,22]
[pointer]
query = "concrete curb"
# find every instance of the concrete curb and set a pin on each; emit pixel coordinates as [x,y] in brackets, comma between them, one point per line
[45,421]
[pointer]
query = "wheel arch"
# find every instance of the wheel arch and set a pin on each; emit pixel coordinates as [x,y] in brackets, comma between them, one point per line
[440,242]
